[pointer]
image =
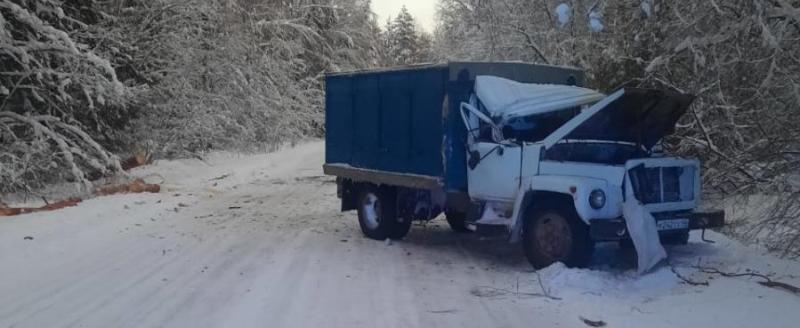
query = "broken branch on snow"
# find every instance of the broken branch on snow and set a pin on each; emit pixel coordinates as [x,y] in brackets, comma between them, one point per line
[135,186]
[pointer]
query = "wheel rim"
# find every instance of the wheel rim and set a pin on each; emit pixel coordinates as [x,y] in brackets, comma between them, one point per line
[553,236]
[370,207]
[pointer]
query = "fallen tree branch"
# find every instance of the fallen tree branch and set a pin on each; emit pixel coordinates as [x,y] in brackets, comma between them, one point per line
[488,291]
[136,186]
[768,282]
[685,279]
[9,211]
[65,150]
[593,323]
[86,159]
[139,159]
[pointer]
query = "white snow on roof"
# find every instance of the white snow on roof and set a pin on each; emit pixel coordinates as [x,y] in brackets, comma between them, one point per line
[505,99]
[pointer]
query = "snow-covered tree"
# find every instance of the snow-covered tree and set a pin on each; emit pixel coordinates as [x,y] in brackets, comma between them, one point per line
[175,77]
[402,37]
[405,42]
[737,56]
[54,86]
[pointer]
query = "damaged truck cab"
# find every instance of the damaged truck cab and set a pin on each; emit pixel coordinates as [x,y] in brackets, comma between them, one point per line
[517,146]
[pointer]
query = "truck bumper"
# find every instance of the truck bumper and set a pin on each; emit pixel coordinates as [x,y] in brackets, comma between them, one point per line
[616,229]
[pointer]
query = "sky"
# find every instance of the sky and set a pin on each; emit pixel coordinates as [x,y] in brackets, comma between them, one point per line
[424,11]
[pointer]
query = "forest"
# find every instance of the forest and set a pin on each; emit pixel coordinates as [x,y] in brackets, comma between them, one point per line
[85,83]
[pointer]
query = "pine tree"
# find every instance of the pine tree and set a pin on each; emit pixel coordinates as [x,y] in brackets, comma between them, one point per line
[425,51]
[82,78]
[404,45]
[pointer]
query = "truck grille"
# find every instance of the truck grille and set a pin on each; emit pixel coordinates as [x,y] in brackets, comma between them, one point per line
[653,185]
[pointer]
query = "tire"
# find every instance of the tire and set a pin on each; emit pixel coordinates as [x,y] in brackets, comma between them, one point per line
[457,222]
[377,214]
[678,238]
[628,252]
[543,246]
[400,228]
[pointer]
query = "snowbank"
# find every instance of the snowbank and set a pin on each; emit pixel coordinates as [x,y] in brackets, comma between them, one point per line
[258,240]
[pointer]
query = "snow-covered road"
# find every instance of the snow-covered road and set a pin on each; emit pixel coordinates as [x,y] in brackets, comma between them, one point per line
[258,241]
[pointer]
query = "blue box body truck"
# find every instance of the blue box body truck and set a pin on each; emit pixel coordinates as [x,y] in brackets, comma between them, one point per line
[506,144]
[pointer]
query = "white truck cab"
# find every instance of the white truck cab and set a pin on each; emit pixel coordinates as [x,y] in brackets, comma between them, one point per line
[562,167]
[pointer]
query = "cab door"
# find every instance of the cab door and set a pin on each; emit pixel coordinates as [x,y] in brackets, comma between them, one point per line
[493,167]
[493,171]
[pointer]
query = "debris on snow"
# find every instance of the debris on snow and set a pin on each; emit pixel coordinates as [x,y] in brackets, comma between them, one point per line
[483,291]
[11,211]
[443,311]
[768,282]
[560,279]
[220,177]
[137,160]
[593,323]
[494,292]
[134,187]
[644,234]
[685,279]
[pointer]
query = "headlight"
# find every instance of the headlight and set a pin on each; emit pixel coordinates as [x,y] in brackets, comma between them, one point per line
[597,199]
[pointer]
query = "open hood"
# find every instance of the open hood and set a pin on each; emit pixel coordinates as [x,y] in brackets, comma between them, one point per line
[640,116]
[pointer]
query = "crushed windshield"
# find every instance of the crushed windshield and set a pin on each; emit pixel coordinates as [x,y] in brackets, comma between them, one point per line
[535,128]
[594,152]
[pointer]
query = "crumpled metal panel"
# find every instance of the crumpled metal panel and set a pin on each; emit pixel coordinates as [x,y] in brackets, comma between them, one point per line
[505,99]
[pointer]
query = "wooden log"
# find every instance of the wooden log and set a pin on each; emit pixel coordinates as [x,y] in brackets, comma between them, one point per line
[135,186]
[10,211]
[139,159]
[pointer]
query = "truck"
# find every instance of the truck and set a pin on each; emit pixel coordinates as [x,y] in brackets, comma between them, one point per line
[518,147]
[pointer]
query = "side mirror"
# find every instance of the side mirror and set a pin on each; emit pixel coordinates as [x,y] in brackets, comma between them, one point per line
[474,159]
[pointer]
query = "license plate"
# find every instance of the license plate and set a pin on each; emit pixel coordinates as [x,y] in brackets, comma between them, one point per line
[674,224]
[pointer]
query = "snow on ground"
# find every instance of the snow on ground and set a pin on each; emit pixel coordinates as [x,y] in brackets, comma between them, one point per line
[257,240]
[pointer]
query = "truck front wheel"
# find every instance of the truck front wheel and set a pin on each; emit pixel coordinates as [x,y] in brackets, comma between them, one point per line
[457,221]
[377,214]
[554,235]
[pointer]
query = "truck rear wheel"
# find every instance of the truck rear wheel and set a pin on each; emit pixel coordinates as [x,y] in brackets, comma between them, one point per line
[457,221]
[377,214]
[400,229]
[554,235]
